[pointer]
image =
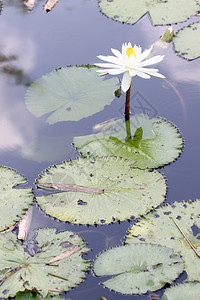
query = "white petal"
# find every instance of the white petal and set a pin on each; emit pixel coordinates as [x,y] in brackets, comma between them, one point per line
[143,75]
[132,72]
[126,82]
[144,55]
[111,59]
[106,65]
[151,61]
[137,50]
[152,72]
[117,53]
[111,71]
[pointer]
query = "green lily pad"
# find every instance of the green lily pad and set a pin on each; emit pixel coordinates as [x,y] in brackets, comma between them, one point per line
[161,12]
[138,268]
[184,291]
[159,228]
[34,296]
[117,191]
[13,201]
[21,272]
[156,142]
[187,41]
[70,94]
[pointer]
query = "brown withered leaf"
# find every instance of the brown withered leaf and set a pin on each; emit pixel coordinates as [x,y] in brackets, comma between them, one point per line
[73,249]
[24,224]
[49,5]
[70,188]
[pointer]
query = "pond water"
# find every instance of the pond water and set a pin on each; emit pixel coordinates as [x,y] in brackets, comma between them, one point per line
[75,32]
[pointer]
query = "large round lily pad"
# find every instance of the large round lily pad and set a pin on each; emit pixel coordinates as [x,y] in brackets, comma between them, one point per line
[162,12]
[105,190]
[70,94]
[147,143]
[159,228]
[138,268]
[21,272]
[13,201]
[184,291]
[187,41]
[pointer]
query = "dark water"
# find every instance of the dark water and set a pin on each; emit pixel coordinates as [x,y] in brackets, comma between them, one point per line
[75,32]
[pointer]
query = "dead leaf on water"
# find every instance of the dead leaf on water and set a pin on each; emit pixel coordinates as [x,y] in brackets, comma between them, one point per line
[24,224]
[49,5]
[71,188]
[73,249]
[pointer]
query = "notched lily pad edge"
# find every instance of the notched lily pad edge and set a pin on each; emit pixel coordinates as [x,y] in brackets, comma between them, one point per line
[149,17]
[112,276]
[154,210]
[48,170]
[181,148]
[173,42]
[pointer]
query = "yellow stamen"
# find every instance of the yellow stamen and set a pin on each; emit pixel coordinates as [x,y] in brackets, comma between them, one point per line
[129,51]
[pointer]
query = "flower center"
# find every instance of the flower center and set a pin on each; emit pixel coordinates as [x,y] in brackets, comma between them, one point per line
[129,51]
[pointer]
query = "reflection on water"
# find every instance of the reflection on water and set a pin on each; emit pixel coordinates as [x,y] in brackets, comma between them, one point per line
[34,43]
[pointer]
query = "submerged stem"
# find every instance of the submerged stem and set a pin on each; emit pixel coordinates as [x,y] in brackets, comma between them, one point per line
[127,104]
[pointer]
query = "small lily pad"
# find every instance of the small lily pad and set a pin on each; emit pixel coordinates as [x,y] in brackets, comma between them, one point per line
[70,94]
[158,228]
[184,291]
[13,201]
[187,41]
[147,143]
[138,268]
[21,272]
[123,191]
[161,12]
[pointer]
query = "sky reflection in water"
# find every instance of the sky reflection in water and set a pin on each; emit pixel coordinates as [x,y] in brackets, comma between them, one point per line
[75,33]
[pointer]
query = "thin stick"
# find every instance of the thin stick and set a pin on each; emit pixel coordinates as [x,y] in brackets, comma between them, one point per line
[70,188]
[187,239]
[57,276]
[127,104]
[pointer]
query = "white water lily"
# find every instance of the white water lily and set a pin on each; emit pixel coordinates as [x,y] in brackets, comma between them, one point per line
[132,61]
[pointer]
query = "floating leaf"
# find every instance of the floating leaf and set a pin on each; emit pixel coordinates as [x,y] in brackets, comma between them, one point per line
[125,191]
[159,228]
[156,142]
[34,296]
[13,201]
[184,291]
[70,94]
[49,5]
[24,224]
[162,12]
[138,268]
[187,41]
[21,272]
[30,4]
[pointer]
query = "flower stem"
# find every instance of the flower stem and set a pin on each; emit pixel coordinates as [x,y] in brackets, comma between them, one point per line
[127,104]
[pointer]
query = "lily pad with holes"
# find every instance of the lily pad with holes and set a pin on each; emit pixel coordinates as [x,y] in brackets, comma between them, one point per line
[105,190]
[67,93]
[187,41]
[161,12]
[147,143]
[138,268]
[158,228]
[184,291]
[14,201]
[21,272]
